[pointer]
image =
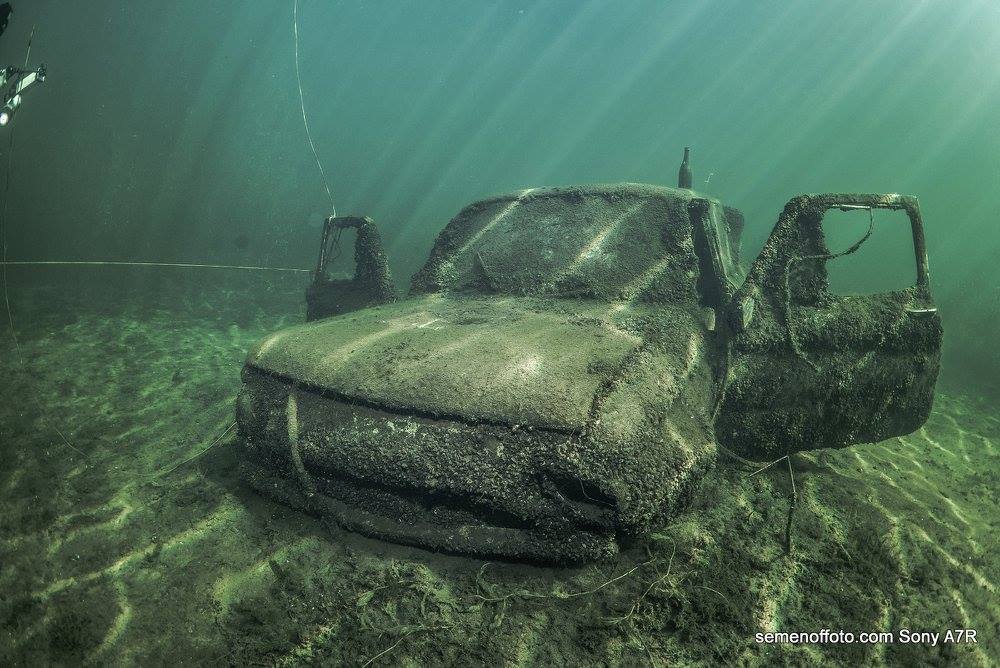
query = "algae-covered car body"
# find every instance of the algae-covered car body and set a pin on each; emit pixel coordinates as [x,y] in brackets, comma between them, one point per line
[565,367]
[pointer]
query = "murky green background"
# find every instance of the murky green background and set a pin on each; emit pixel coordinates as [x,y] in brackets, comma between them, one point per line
[167,130]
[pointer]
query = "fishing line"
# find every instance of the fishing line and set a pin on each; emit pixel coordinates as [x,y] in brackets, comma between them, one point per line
[302,105]
[96,263]
[171,468]
[3,213]
[27,52]
[3,241]
[6,293]
[3,232]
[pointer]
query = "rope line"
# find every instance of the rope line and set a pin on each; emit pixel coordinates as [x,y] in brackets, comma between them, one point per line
[174,467]
[26,263]
[3,241]
[6,291]
[302,104]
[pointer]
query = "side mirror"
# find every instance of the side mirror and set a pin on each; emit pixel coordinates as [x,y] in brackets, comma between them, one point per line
[372,283]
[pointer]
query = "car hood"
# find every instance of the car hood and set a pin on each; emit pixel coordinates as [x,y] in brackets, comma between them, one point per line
[509,361]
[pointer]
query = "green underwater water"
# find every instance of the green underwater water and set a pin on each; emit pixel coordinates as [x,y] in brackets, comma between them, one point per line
[172,132]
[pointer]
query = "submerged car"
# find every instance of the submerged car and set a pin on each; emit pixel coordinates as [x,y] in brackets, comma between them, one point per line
[567,364]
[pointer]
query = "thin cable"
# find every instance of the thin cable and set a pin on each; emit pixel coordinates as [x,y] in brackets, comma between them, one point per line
[28,263]
[767,466]
[27,52]
[174,467]
[735,456]
[6,294]
[3,240]
[3,218]
[302,104]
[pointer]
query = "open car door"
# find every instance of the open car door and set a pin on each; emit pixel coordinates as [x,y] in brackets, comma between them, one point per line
[372,283]
[809,369]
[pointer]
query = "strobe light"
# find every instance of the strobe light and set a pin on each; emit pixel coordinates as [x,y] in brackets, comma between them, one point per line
[5,115]
[7,112]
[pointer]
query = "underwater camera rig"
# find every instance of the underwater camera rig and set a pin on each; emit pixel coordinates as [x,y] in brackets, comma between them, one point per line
[15,81]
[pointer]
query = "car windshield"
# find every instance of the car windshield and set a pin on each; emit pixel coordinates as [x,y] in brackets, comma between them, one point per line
[614,243]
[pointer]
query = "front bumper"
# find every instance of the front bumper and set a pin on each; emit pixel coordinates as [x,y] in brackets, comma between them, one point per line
[483,490]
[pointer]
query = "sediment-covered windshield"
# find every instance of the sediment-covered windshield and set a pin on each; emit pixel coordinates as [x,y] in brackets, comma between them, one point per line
[619,242]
